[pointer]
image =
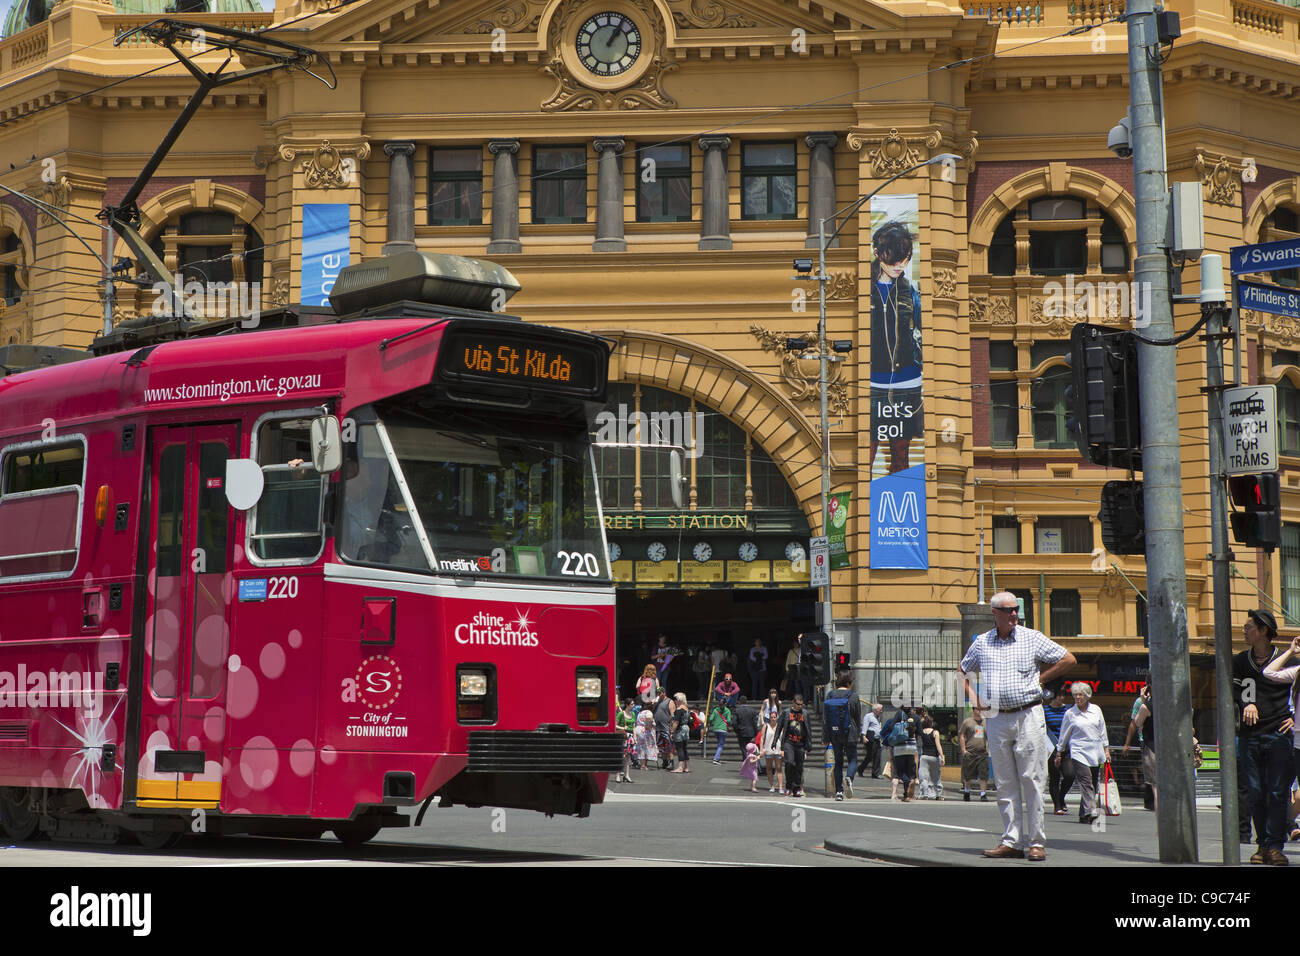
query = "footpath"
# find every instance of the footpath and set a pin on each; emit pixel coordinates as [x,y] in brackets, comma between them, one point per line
[950,832]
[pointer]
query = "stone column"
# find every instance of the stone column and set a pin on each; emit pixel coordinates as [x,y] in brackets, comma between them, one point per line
[505,196]
[609,196]
[821,185]
[715,217]
[401,198]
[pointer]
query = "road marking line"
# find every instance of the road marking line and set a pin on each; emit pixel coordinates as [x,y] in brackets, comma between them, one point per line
[654,797]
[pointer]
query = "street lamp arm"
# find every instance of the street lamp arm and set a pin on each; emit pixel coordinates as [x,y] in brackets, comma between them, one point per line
[848,211]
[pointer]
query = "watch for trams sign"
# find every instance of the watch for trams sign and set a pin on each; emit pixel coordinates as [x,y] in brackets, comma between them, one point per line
[1250,430]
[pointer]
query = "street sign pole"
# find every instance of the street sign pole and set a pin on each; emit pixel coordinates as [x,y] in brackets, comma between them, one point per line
[1161,447]
[1214,308]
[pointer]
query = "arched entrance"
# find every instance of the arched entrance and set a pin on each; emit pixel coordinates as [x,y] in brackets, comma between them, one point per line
[725,568]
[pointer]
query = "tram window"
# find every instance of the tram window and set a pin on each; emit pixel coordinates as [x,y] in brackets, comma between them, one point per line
[287,522]
[36,469]
[40,504]
[376,527]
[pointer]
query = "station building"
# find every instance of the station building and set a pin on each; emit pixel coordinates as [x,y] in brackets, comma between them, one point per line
[649,169]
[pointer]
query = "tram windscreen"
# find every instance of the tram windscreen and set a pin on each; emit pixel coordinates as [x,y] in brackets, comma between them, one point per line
[489,503]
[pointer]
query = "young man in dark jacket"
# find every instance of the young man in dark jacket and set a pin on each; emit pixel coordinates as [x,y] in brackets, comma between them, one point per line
[845,743]
[1264,757]
[797,736]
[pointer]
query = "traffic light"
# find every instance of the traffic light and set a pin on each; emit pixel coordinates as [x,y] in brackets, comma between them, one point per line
[842,662]
[813,658]
[1103,396]
[1260,525]
[1123,521]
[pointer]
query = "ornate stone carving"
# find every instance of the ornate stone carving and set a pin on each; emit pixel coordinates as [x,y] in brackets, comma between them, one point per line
[802,376]
[945,283]
[971,149]
[892,153]
[276,292]
[707,15]
[1220,179]
[518,16]
[842,285]
[992,309]
[1058,325]
[57,194]
[327,166]
[571,94]
[1111,587]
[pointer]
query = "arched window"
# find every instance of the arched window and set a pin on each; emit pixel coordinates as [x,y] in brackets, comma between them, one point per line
[1282,223]
[12,260]
[1065,234]
[1288,417]
[209,246]
[724,467]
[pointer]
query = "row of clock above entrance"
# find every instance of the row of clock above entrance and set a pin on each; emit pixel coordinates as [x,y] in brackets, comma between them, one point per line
[659,550]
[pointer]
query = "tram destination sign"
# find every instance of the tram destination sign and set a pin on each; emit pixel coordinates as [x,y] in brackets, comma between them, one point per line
[518,357]
[1250,430]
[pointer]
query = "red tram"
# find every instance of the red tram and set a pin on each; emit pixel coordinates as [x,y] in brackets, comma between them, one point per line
[290,579]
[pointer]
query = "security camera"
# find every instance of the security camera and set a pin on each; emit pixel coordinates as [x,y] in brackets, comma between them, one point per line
[1120,141]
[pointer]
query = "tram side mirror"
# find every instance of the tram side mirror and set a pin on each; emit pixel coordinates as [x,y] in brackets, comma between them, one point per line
[244,483]
[326,444]
[675,478]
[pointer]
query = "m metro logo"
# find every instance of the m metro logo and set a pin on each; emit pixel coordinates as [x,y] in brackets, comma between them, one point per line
[898,520]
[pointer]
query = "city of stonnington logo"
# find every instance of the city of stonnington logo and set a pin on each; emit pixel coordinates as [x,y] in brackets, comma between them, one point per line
[495,630]
[379,682]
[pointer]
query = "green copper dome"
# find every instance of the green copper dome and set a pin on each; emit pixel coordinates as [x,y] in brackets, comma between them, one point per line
[26,13]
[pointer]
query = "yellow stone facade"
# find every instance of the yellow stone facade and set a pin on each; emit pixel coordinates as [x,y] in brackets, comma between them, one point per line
[1026,106]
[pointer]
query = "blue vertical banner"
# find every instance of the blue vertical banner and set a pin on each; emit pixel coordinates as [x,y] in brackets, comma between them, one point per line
[325,243]
[898,492]
[898,533]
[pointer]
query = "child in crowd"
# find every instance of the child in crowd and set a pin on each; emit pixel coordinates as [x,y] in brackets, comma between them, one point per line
[749,767]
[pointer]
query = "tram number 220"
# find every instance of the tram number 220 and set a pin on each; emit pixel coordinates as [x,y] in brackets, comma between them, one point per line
[282,587]
[579,563]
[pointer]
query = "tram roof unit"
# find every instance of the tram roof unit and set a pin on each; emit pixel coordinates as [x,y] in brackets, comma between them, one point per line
[398,308]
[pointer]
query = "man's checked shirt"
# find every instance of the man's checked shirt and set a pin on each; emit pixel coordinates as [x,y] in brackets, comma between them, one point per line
[1009,667]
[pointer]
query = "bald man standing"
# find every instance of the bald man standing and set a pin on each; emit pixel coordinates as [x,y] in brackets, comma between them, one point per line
[1014,663]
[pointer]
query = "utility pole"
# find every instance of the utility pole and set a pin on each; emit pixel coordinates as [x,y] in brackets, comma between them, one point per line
[1161,475]
[1213,308]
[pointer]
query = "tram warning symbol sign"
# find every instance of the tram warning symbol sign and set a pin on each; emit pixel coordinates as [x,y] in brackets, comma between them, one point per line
[1250,430]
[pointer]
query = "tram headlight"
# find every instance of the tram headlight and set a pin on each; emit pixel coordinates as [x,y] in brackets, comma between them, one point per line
[589,688]
[473,684]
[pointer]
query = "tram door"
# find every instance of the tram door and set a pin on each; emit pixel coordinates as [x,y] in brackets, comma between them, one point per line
[187,626]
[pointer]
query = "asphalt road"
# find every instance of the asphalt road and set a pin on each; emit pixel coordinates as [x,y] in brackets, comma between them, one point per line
[632,830]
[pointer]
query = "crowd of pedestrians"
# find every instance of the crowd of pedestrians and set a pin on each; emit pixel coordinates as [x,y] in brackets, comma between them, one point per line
[1019,734]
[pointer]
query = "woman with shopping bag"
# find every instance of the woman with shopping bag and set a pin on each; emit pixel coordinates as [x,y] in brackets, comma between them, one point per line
[1083,731]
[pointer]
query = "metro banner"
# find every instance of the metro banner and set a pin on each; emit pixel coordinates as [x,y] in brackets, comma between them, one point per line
[898,493]
[325,246]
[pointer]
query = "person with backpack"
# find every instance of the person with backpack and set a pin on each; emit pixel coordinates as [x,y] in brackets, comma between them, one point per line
[796,742]
[901,739]
[842,716]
